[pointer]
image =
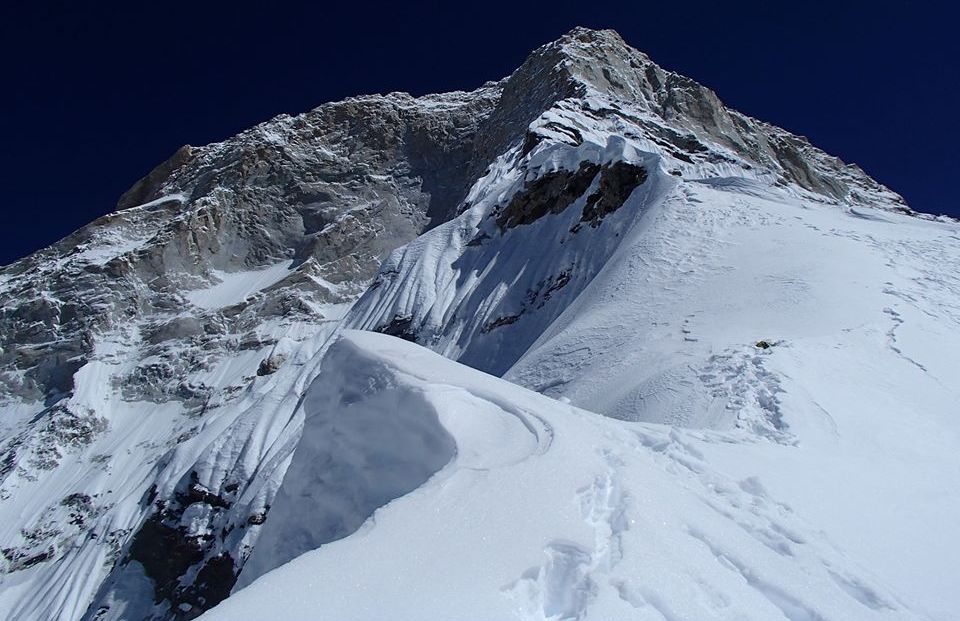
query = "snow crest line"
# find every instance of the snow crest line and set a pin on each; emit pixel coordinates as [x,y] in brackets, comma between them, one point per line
[373,434]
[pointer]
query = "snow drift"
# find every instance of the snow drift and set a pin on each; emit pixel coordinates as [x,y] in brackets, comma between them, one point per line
[593,228]
[531,509]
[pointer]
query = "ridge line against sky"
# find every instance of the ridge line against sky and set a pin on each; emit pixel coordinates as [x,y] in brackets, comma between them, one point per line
[99,95]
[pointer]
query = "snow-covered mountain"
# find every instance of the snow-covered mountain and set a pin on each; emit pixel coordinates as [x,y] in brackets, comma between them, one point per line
[512,505]
[771,334]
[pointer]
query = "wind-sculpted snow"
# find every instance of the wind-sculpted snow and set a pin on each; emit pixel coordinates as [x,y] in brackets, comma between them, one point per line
[598,180]
[528,508]
[371,436]
[139,457]
[655,314]
[366,441]
[483,286]
[594,228]
[817,345]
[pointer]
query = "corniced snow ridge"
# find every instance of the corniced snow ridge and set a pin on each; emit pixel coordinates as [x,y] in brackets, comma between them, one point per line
[745,350]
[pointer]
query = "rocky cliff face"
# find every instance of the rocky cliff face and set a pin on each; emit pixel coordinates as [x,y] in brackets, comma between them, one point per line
[237,251]
[151,363]
[330,192]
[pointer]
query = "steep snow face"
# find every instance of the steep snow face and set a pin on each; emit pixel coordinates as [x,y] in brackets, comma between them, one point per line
[535,509]
[851,410]
[152,362]
[600,230]
[622,150]
[114,498]
[458,288]
[644,298]
[554,223]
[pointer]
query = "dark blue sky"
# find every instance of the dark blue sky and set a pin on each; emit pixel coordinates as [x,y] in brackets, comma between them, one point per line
[95,95]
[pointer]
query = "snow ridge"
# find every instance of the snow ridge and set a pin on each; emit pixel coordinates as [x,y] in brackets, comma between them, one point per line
[762,338]
[617,525]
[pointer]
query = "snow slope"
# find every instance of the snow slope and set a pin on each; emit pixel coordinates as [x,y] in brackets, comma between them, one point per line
[866,316]
[599,230]
[864,379]
[524,507]
[652,314]
[851,415]
[234,288]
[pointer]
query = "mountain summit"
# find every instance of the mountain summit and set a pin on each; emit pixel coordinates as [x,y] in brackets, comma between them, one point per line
[709,370]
